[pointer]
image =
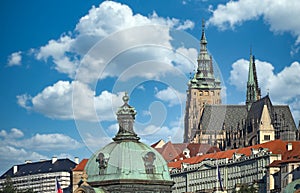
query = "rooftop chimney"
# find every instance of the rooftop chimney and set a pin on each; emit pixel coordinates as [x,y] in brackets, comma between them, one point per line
[54,159]
[76,160]
[15,169]
[28,161]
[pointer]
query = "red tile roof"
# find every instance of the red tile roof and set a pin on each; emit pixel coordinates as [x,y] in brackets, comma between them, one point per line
[154,145]
[171,151]
[276,147]
[81,165]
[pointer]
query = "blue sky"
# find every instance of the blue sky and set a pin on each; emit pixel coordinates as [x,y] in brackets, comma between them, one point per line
[66,64]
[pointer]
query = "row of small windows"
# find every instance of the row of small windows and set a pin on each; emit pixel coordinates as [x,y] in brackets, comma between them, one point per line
[207,93]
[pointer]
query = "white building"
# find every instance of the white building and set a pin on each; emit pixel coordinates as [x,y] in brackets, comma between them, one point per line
[245,166]
[40,176]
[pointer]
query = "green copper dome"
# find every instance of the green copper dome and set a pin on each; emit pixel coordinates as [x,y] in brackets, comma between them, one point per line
[127,159]
[292,187]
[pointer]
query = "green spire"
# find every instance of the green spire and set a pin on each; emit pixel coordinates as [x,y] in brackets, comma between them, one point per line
[204,77]
[253,92]
[126,116]
[203,40]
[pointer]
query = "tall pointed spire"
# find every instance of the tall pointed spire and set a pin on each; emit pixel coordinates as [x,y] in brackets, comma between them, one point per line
[253,92]
[126,116]
[205,65]
[203,41]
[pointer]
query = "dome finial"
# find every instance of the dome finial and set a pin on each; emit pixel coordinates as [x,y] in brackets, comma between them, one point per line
[126,98]
[126,116]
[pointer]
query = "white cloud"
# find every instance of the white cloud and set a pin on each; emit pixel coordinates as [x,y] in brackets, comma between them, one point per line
[152,134]
[283,86]
[239,74]
[95,142]
[49,142]
[278,14]
[186,58]
[72,100]
[13,150]
[172,96]
[15,59]
[188,24]
[141,87]
[110,17]
[10,155]
[114,128]
[45,142]
[14,133]
[125,46]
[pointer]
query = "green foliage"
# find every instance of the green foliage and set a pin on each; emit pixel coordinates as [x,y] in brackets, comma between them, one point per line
[8,186]
[27,191]
[246,188]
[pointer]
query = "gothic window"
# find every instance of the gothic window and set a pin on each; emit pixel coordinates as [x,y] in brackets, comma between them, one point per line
[149,159]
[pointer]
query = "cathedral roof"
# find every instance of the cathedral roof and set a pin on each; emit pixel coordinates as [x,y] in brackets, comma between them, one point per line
[256,109]
[285,112]
[214,116]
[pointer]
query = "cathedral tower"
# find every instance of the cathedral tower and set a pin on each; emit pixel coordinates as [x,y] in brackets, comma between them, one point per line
[203,88]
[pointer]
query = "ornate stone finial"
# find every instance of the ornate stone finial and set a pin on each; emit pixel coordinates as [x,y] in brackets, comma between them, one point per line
[126,98]
[126,116]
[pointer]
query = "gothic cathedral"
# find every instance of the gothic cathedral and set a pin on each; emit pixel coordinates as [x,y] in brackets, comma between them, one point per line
[208,121]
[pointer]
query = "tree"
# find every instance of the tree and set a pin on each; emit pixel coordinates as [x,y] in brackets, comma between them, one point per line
[246,188]
[8,186]
[28,191]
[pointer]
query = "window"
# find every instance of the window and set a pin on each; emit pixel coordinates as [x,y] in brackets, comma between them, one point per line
[266,137]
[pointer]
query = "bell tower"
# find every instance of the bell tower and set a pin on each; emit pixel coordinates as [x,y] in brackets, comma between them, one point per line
[203,89]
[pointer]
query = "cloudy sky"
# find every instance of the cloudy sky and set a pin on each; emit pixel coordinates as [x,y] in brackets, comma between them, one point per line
[64,67]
